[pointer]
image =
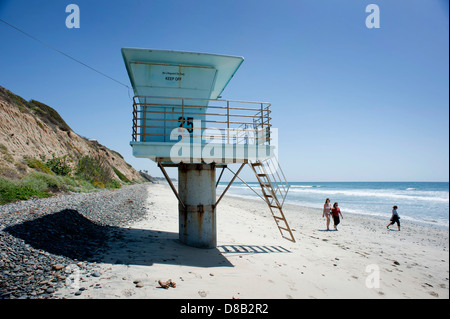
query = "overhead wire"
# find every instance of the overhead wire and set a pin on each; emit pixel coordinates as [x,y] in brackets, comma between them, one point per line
[65,54]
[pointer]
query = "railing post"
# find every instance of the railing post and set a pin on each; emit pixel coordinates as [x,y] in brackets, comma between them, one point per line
[182,112]
[182,116]
[262,122]
[267,134]
[134,135]
[144,127]
[228,122]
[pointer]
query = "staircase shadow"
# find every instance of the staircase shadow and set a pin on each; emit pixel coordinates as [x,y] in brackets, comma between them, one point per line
[251,249]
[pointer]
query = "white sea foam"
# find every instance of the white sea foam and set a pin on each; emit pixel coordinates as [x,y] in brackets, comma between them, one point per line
[420,204]
[437,196]
[367,211]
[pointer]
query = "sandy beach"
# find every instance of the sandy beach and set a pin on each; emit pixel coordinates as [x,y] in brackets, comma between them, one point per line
[361,260]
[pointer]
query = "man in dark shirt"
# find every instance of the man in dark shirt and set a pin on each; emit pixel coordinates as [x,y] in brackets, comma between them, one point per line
[336,212]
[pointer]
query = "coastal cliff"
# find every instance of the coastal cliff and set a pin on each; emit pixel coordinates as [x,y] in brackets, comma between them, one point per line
[35,139]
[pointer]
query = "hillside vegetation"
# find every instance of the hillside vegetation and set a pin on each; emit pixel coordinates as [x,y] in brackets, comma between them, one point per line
[40,155]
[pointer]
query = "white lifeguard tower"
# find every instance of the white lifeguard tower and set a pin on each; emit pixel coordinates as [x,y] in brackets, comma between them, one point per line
[180,120]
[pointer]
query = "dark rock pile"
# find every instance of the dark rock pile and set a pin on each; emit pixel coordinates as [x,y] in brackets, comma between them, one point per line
[42,242]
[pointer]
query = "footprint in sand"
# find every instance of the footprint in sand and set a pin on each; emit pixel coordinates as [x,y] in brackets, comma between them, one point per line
[434,294]
[196,275]
[128,292]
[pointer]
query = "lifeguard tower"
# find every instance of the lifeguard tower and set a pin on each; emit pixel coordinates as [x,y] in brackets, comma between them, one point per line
[180,120]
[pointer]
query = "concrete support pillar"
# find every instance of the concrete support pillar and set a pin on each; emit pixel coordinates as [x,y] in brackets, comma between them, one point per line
[197,190]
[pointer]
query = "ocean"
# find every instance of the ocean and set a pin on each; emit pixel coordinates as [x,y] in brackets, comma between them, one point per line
[423,202]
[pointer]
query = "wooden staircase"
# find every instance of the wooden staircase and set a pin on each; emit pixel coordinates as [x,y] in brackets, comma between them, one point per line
[274,188]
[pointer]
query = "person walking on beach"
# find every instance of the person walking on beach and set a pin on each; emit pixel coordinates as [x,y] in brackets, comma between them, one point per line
[327,212]
[395,218]
[336,211]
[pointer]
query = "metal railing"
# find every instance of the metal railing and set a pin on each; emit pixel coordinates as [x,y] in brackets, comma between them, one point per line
[277,179]
[231,122]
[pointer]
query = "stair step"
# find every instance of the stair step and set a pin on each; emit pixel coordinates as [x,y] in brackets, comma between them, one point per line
[289,238]
[270,192]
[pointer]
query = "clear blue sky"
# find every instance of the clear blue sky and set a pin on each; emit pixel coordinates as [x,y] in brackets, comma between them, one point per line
[351,103]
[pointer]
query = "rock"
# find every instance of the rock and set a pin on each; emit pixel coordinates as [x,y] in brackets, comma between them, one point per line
[139,285]
[58,267]
[45,242]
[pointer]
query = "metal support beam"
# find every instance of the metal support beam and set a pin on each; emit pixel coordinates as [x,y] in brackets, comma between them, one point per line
[247,185]
[229,184]
[220,176]
[170,183]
